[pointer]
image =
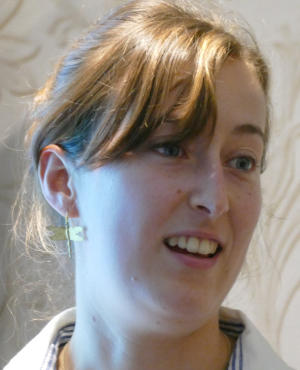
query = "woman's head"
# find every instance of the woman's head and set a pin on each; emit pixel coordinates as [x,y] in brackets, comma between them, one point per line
[154,77]
[142,211]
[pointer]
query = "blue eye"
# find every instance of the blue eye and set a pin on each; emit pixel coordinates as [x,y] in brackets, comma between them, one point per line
[169,150]
[244,163]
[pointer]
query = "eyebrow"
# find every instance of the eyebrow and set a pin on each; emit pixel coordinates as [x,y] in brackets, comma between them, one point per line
[249,128]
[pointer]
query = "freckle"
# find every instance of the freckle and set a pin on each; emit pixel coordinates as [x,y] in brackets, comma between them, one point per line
[179,191]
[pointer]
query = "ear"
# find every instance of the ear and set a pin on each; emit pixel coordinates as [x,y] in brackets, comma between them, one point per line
[54,173]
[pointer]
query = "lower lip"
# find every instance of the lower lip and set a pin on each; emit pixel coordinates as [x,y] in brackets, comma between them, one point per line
[195,262]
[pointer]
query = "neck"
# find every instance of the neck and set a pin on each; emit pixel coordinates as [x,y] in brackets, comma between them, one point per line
[99,347]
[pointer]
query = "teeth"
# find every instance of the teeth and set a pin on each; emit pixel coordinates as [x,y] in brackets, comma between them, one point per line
[207,247]
[173,241]
[182,242]
[194,245]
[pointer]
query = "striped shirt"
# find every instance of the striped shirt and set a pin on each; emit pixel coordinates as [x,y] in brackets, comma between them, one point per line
[62,338]
[231,329]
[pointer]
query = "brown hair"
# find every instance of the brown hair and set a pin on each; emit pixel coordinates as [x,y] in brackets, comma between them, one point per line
[108,94]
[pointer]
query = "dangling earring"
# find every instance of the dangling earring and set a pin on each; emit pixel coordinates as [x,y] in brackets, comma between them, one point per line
[67,233]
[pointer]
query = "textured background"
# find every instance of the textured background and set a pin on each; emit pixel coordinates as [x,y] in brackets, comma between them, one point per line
[32,35]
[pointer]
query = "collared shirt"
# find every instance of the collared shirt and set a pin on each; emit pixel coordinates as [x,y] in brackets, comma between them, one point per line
[251,351]
[231,329]
[62,338]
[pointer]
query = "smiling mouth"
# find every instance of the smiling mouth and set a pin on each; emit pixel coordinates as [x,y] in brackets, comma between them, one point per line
[200,253]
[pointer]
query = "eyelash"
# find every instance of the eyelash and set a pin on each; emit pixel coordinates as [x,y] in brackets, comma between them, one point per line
[168,145]
[254,163]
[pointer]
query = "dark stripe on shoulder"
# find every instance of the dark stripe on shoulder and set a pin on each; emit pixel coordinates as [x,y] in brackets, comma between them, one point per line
[241,354]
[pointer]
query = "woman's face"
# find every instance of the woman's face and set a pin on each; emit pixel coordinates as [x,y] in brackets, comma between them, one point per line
[207,188]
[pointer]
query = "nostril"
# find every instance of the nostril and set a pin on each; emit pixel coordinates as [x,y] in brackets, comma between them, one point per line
[210,194]
[204,208]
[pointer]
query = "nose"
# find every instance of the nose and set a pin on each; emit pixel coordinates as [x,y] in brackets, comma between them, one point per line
[210,193]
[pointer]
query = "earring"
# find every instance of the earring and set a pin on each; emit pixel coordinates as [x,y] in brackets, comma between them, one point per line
[66,233]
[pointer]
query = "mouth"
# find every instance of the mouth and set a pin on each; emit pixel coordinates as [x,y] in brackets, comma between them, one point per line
[194,247]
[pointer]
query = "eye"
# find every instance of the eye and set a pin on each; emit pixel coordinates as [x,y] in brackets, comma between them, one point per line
[169,149]
[243,163]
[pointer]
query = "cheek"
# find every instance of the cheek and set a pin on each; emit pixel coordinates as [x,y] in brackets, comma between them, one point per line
[254,201]
[149,210]
[246,213]
[153,194]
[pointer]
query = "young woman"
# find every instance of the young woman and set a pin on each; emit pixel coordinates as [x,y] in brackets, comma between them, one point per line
[150,139]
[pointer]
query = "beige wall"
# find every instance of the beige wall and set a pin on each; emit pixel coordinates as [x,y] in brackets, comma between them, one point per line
[33,33]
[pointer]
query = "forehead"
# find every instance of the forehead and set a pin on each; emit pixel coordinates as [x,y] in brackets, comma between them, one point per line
[240,97]
[240,100]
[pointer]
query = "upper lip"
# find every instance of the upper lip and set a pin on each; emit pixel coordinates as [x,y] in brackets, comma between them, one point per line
[198,234]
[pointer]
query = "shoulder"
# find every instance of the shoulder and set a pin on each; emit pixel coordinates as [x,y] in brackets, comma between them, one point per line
[256,351]
[39,345]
